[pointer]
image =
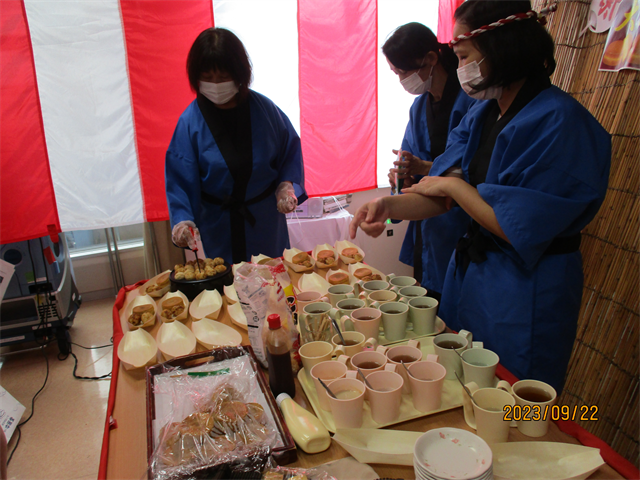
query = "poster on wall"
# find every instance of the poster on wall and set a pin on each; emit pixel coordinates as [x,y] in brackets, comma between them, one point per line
[601,13]
[622,49]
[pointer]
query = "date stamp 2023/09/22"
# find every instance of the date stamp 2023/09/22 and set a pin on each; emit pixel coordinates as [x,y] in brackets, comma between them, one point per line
[553,412]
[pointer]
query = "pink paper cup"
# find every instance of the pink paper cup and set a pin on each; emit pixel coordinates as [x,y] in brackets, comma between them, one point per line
[386,396]
[348,408]
[426,380]
[327,371]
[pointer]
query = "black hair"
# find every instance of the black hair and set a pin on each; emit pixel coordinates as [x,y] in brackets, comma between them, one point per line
[220,50]
[410,43]
[514,51]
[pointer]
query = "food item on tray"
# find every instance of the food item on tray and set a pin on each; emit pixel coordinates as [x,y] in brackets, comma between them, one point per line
[302,259]
[327,257]
[141,315]
[172,307]
[221,425]
[365,274]
[352,253]
[338,278]
[272,475]
[199,269]
[161,282]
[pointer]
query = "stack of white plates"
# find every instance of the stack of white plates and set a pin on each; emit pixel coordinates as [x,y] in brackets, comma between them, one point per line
[451,453]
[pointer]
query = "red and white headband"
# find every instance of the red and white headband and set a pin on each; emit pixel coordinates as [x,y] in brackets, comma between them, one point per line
[504,21]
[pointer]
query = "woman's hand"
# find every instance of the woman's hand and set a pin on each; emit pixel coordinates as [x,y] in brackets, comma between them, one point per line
[286,198]
[411,165]
[184,234]
[371,218]
[431,187]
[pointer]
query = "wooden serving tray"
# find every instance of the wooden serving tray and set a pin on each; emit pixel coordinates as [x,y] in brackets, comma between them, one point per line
[451,397]
[283,455]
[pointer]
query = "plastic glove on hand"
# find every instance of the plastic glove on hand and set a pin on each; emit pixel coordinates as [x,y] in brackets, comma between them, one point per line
[185,234]
[286,198]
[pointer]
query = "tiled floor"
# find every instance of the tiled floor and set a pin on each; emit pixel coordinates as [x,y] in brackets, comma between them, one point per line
[64,437]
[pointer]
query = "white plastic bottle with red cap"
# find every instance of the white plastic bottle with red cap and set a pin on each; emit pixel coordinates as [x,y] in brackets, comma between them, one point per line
[279,358]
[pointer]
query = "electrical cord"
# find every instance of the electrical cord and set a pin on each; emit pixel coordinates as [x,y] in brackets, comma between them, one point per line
[93,348]
[33,402]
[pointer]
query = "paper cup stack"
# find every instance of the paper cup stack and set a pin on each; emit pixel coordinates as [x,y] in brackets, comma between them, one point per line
[452,453]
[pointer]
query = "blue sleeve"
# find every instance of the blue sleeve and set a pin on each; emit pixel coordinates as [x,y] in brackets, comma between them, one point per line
[290,164]
[182,177]
[552,176]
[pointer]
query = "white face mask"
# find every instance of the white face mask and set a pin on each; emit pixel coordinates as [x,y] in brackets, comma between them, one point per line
[415,85]
[470,75]
[218,93]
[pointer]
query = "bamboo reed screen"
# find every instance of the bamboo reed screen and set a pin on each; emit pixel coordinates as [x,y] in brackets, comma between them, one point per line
[603,370]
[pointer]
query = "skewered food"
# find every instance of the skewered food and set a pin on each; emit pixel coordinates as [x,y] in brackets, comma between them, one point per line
[224,423]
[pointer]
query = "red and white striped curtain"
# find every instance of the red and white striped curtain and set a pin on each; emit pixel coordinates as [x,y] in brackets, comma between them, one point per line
[90,92]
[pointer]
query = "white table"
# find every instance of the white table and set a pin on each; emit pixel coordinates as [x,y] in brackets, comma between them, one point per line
[306,233]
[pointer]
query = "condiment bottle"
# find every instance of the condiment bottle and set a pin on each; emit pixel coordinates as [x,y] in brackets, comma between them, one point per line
[279,358]
[308,432]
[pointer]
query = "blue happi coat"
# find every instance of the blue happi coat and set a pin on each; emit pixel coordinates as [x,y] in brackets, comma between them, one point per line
[439,234]
[547,178]
[194,164]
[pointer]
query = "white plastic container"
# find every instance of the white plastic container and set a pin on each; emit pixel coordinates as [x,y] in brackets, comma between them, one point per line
[307,430]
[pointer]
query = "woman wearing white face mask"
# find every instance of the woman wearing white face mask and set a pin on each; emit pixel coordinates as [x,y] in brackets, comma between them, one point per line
[530,166]
[234,162]
[428,69]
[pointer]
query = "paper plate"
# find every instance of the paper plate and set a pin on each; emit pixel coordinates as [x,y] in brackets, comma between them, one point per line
[156,293]
[237,315]
[211,334]
[341,245]
[208,303]
[452,453]
[355,266]
[137,302]
[185,301]
[544,460]
[370,445]
[288,255]
[230,294]
[319,248]
[313,282]
[137,349]
[175,340]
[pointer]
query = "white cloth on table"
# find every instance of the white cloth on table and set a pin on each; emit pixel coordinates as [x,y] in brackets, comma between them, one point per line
[306,233]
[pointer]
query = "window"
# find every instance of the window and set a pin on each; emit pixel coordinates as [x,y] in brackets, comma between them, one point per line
[90,242]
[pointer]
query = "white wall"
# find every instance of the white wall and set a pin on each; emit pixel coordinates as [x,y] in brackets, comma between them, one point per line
[93,273]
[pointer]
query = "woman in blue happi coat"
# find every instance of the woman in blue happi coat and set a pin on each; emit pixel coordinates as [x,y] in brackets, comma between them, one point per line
[530,166]
[234,165]
[428,69]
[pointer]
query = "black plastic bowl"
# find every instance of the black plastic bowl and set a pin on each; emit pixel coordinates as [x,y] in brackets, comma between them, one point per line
[191,288]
